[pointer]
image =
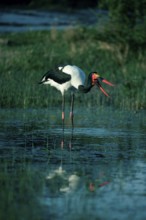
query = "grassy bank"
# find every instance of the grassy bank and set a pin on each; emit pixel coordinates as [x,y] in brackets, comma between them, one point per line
[25,57]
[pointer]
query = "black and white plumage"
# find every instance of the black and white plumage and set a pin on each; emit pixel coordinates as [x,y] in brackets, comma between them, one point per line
[71,77]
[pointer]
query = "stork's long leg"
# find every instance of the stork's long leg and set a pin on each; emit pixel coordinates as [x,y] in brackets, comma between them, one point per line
[71,110]
[63,117]
[63,110]
[72,119]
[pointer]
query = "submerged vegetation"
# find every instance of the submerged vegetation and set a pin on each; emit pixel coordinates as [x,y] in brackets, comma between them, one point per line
[25,57]
[19,193]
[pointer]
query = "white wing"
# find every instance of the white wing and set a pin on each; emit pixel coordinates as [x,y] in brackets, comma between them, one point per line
[77,75]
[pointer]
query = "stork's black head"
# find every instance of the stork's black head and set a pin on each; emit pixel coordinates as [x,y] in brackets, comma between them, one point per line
[93,77]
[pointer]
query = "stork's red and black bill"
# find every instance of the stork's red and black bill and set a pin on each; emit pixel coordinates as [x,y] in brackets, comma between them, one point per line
[101,88]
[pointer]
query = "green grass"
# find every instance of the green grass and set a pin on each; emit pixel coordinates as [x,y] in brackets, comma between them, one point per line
[25,57]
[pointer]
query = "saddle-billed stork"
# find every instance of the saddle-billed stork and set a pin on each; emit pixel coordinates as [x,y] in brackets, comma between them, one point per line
[71,77]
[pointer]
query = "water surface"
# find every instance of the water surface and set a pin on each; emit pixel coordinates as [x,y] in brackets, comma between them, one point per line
[18,20]
[97,170]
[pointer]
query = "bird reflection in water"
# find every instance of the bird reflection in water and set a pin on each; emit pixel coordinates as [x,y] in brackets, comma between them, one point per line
[60,181]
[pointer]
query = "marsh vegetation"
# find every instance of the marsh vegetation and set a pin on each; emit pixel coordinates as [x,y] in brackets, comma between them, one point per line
[24,57]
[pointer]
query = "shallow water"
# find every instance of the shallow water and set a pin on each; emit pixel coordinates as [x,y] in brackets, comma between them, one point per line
[97,170]
[16,20]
